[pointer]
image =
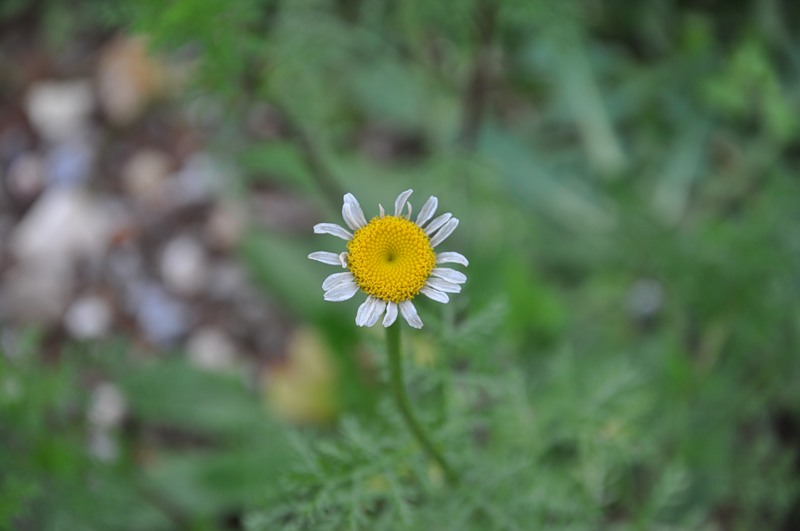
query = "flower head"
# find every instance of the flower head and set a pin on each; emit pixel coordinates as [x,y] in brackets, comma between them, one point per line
[391,259]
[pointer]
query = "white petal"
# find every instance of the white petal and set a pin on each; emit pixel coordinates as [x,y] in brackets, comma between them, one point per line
[437,223]
[443,285]
[362,308]
[408,216]
[445,231]
[376,313]
[391,314]
[337,278]
[355,210]
[334,229]
[410,314]
[365,310]
[343,259]
[450,275]
[435,294]
[401,200]
[381,210]
[342,292]
[325,257]
[449,257]
[349,219]
[428,210]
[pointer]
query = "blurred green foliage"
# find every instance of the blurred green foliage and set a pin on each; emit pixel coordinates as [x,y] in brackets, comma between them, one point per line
[194,447]
[626,352]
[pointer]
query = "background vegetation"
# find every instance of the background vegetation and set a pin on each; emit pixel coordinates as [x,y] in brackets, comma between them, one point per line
[626,352]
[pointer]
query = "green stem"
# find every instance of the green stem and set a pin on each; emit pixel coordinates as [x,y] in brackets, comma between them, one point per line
[401,398]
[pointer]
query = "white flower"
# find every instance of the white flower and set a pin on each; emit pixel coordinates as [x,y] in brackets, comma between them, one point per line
[392,260]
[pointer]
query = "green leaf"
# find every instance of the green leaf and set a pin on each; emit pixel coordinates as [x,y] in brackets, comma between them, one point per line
[175,393]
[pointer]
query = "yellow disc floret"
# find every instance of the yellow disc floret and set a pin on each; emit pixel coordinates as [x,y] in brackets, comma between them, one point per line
[390,258]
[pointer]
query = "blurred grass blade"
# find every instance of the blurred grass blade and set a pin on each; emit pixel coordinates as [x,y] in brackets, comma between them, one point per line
[579,88]
[529,181]
[683,166]
[284,268]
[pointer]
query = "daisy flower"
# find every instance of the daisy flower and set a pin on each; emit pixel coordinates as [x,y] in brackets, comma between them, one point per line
[392,260]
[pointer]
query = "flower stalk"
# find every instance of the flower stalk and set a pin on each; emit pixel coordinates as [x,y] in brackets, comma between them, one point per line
[403,404]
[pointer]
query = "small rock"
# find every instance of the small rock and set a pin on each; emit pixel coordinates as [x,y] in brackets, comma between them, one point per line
[59,110]
[199,180]
[38,292]
[162,319]
[69,163]
[103,446]
[225,225]
[88,317]
[25,178]
[184,266]
[209,348]
[145,175]
[128,79]
[108,406]
[62,226]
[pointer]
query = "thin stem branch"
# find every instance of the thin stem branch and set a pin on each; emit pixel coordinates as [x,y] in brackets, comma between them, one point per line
[401,398]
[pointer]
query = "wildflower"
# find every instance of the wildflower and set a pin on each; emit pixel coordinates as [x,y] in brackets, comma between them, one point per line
[392,260]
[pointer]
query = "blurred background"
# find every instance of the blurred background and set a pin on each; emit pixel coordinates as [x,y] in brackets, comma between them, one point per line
[624,355]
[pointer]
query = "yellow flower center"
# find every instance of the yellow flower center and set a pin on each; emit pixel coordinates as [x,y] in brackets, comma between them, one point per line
[390,258]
